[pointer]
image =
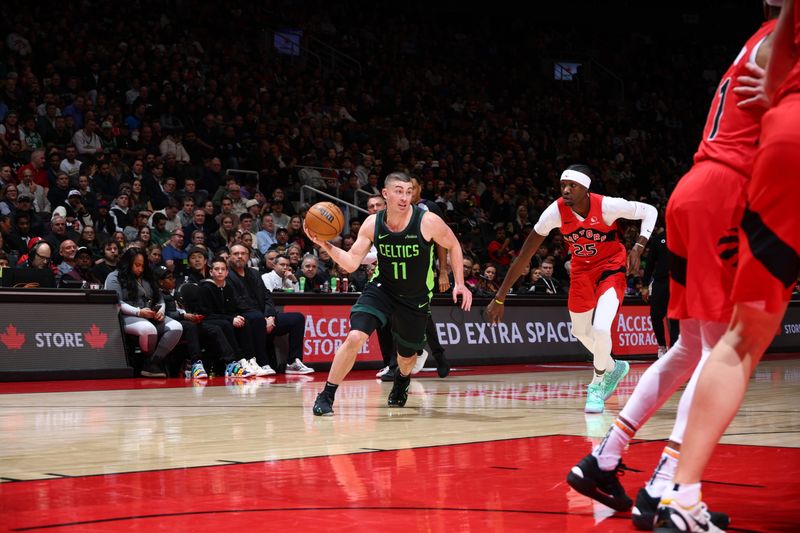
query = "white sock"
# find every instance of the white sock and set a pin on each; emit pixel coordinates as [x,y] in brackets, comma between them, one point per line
[664,472]
[609,451]
[686,494]
[597,378]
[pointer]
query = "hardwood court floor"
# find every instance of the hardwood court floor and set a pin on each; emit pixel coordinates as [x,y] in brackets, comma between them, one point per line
[477,451]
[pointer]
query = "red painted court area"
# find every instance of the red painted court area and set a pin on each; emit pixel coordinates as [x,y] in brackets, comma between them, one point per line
[512,485]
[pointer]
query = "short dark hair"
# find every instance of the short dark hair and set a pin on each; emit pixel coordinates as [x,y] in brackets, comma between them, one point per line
[397,176]
[219,259]
[583,169]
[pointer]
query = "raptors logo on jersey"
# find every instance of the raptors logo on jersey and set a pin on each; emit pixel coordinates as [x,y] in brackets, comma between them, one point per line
[592,242]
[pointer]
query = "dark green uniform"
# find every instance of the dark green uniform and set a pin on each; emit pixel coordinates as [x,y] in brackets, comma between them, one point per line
[401,288]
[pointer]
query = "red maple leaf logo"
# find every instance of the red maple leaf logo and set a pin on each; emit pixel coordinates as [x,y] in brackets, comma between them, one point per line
[96,338]
[12,339]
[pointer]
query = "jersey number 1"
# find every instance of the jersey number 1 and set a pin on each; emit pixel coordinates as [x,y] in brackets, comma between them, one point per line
[723,91]
[399,270]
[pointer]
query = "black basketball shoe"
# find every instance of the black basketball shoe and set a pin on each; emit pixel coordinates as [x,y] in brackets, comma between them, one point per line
[323,405]
[399,394]
[600,485]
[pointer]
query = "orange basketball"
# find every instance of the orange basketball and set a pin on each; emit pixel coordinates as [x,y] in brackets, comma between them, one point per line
[325,220]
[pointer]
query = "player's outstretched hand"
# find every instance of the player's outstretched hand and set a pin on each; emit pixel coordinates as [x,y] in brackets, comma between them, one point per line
[312,235]
[466,296]
[751,89]
[494,312]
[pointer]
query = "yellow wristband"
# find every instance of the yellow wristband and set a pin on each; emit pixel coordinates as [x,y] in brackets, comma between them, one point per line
[498,302]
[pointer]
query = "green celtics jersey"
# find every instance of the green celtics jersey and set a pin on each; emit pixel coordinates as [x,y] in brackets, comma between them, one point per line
[405,259]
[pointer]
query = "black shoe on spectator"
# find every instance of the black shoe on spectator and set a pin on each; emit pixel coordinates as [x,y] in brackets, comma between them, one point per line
[153,369]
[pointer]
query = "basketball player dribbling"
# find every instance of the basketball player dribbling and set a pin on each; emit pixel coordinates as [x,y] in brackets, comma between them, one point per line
[701,237]
[769,259]
[401,289]
[597,274]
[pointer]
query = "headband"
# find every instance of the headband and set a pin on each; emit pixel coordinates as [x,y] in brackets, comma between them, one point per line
[577,177]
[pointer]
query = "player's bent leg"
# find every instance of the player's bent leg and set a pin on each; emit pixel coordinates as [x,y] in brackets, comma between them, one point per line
[362,325]
[582,327]
[345,356]
[655,386]
[728,368]
[612,371]
[343,362]
[582,330]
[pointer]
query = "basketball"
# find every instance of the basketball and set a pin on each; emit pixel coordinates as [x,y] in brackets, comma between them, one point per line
[325,220]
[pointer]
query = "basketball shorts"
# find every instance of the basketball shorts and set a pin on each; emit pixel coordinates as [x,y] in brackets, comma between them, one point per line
[585,288]
[408,318]
[703,215]
[769,235]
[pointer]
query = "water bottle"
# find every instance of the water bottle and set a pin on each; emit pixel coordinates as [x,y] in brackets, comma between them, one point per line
[345,285]
[326,287]
[302,284]
[334,283]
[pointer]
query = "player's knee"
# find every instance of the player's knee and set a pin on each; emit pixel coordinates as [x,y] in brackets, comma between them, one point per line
[582,333]
[356,338]
[752,330]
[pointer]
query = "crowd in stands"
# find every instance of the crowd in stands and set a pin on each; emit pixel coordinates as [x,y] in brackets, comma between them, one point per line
[128,125]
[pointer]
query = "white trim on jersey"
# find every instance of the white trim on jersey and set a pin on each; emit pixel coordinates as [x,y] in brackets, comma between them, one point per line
[613,209]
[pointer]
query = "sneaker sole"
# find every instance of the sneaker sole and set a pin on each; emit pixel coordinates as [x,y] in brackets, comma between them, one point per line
[322,414]
[299,371]
[594,410]
[589,489]
[610,393]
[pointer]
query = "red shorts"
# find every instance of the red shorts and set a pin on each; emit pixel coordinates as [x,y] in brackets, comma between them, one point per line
[769,237]
[585,288]
[703,215]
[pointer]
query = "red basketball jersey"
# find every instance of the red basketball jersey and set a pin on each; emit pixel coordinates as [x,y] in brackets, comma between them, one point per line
[792,82]
[731,134]
[594,244]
